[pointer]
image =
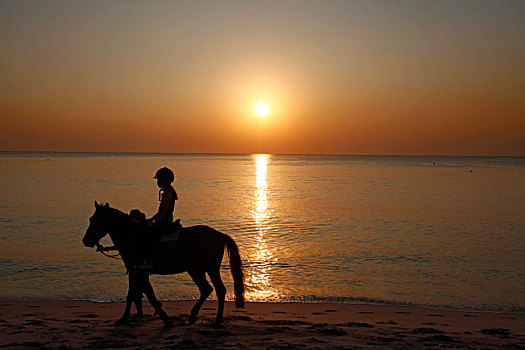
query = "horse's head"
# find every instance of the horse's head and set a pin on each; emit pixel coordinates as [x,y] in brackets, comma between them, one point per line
[98,226]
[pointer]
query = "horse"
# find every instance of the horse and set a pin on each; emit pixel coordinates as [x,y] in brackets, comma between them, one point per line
[198,250]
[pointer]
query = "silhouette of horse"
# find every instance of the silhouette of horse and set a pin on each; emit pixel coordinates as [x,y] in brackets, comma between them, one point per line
[199,250]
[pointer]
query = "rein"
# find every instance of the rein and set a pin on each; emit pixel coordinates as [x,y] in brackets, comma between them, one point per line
[103,250]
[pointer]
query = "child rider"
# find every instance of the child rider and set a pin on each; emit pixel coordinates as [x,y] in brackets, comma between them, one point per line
[161,222]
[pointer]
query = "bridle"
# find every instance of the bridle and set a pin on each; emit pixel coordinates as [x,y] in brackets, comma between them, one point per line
[103,250]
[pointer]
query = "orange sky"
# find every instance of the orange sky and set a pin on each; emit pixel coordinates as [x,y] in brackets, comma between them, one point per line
[370,77]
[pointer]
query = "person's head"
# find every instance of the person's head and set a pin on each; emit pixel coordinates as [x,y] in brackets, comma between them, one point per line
[164,177]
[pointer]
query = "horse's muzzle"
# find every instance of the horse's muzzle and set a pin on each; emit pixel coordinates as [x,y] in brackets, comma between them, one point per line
[88,244]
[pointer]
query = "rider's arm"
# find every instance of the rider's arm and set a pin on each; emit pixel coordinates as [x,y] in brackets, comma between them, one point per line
[135,220]
[163,211]
[152,218]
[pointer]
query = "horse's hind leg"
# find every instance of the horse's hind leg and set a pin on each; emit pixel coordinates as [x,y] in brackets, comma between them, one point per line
[199,277]
[220,290]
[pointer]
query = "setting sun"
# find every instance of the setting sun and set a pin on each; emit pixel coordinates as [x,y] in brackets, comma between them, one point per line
[262,109]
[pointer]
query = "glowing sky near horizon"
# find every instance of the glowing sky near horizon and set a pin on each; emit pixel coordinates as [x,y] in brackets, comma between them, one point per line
[352,77]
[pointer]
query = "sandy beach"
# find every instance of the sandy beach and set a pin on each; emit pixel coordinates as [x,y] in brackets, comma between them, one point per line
[88,325]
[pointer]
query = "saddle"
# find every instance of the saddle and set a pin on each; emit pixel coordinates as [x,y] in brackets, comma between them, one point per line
[163,251]
[172,234]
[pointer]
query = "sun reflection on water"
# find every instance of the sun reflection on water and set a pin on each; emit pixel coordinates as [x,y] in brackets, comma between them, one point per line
[261,196]
[258,278]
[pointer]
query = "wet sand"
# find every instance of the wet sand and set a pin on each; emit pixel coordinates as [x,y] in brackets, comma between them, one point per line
[88,325]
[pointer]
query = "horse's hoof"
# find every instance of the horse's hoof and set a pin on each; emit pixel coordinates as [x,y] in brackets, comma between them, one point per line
[192,319]
[218,325]
[168,324]
[139,317]
[122,320]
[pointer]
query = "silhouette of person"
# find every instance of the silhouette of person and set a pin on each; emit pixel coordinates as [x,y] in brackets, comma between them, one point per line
[161,222]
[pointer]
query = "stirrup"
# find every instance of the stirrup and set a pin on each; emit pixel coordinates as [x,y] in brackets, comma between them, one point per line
[146,264]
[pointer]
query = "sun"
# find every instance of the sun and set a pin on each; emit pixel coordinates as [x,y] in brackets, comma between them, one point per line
[262,109]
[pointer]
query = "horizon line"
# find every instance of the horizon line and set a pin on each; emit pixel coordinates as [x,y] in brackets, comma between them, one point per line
[275,154]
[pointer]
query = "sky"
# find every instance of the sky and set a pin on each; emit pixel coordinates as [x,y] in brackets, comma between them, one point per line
[340,77]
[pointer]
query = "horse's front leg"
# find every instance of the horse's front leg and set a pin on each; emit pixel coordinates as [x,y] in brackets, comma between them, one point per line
[150,294]
[138,305]
[134,296]
[129,300]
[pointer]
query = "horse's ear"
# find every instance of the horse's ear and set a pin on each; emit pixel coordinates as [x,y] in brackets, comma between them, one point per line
[96,204]
[107,205]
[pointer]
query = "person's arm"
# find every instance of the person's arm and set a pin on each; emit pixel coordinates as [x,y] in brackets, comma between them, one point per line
[136,221]
[165,204]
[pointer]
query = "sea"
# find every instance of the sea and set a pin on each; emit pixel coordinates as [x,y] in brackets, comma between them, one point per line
[432,231]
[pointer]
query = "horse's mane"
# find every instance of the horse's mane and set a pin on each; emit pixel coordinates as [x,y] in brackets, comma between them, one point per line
[116,214]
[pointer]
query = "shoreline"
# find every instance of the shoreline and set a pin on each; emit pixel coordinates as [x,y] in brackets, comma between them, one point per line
[327,301]
[86,324]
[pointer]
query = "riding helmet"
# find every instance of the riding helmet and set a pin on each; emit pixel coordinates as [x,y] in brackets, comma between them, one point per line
[164,174]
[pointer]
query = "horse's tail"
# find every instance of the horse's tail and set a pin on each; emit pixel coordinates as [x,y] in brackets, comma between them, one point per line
[236,269]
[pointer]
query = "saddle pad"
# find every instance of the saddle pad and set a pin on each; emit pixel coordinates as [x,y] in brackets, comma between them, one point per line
[172,236]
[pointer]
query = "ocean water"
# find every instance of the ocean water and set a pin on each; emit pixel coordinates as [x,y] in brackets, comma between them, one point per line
[445,232]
